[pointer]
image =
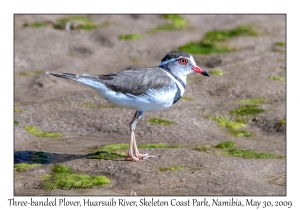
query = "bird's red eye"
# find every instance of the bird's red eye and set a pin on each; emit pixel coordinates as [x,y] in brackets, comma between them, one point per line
[183,61]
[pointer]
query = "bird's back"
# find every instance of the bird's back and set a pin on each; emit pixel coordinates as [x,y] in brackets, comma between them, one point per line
[136,81]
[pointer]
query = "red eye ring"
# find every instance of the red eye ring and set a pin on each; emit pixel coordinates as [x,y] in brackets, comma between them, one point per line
[183,61]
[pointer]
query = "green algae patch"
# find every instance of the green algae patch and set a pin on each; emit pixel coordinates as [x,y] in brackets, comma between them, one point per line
[166,27]
[260,100]
[276,78]
[212,149]
[251,154]
[158,146]
[225,144]
[216,72]
[177,20]
[106,24]
[204,148]
[281,44]
[58,168]
[130,37]
[16,122]
[21,167]
[219,36]
[110,152]
[75,22]
[160,121]
[114,147]
[208,149]
[16,110]
[240,133]
[177,23]
[65,178]
[228,148]
[104,155]
[223,121]
[211,42]
[204,48]
[173,168]
[187,98]
[280,124]
[241,119]
[30,73]
[234,127]
[36,25]
[37,132]
[248,109]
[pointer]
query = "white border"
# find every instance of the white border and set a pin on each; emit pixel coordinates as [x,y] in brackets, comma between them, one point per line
[267,6]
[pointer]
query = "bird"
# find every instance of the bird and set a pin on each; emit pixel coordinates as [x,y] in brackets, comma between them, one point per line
[150,89]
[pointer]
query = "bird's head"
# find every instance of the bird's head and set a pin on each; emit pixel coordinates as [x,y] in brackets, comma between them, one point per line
[181,63]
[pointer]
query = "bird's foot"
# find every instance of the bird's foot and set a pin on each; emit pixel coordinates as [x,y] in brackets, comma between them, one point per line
[139,156]
[142,156]
[132,158]
[146,156]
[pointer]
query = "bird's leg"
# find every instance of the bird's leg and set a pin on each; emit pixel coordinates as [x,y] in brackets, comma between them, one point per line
[136,151]
[131,155]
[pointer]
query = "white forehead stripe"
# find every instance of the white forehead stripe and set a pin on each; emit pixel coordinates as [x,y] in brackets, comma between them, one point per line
[192,60]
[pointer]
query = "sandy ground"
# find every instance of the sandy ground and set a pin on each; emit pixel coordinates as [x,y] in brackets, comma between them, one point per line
[56,105]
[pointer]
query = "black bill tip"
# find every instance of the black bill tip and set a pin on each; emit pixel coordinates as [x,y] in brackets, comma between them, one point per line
[205,74]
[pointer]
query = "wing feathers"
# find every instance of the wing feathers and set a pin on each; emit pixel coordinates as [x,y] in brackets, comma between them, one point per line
[135,82]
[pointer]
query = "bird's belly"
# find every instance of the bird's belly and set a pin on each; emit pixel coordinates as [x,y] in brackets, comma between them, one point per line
[152,100]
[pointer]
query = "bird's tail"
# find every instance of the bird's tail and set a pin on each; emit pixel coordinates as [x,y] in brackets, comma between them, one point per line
[65,75]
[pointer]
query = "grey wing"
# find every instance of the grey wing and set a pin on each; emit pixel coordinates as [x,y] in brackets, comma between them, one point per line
[137,81]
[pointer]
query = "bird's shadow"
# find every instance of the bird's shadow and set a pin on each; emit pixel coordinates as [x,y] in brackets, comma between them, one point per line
[41,157]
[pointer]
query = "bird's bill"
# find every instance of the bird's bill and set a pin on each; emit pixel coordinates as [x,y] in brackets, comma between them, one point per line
[198,70]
